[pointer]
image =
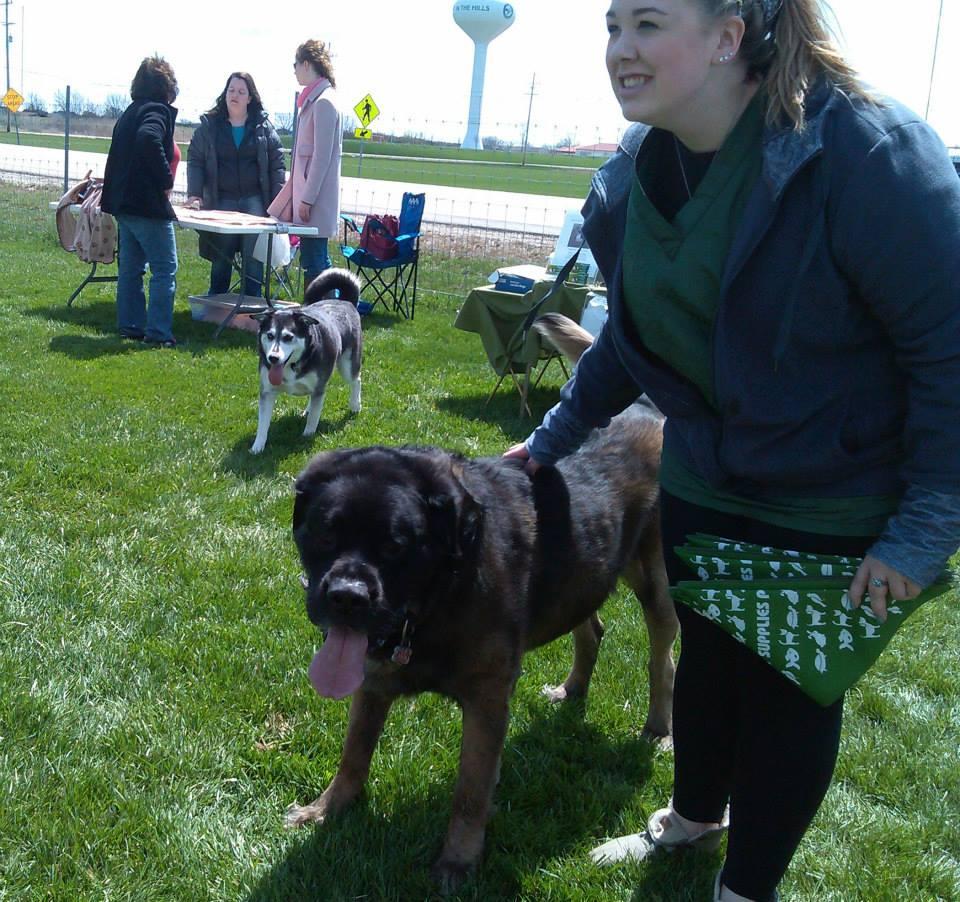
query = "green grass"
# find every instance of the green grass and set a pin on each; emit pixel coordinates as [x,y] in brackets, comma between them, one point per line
[554,175]
[155,716]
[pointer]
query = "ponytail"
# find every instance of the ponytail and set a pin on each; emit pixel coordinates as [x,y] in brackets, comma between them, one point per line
[787,46]
[804,52]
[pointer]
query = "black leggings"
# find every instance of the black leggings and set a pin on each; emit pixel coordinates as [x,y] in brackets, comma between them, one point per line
[743,733]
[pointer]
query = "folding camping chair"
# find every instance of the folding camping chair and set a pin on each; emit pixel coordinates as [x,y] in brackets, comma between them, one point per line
[391,282]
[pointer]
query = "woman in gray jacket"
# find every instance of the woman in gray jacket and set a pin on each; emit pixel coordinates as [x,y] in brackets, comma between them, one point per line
[235,163]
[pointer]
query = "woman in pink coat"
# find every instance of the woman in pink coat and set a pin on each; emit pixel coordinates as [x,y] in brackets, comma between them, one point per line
[311,195]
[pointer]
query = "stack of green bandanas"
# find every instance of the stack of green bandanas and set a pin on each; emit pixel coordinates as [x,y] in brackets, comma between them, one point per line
[792,609]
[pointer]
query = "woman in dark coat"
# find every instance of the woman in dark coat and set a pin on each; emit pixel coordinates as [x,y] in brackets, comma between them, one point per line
[235,163]
[137,180]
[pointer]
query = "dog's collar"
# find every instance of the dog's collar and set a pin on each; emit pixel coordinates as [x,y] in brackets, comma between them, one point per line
[402,652]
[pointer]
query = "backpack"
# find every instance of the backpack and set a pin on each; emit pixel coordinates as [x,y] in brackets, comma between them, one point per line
[379,236]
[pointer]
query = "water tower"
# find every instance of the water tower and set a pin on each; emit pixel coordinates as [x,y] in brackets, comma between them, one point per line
[482,22]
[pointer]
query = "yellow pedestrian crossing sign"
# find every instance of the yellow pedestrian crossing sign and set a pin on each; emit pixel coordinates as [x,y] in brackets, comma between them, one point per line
[366,110]
[13,100]
[363,133]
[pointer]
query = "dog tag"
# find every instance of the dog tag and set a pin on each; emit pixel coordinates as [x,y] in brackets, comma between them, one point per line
[401,654]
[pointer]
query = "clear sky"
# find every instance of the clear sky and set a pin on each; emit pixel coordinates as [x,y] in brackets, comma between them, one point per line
[417,63]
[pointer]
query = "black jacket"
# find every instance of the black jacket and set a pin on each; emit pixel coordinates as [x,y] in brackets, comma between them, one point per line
[137,175]
[203,166]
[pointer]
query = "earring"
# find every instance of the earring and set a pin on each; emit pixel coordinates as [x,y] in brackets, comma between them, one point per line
[725,58]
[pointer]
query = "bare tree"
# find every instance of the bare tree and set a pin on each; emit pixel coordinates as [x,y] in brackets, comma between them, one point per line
[114,105]
[283,122]
[86,107]
[35,104]
[60,101]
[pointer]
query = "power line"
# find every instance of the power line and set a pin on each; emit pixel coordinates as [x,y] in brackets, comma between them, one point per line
[6,46]
[933,67]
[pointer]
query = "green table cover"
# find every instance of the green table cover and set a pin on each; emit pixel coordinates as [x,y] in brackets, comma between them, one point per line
[497,317]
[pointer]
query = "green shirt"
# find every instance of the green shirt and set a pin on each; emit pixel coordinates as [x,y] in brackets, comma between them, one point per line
[672,270]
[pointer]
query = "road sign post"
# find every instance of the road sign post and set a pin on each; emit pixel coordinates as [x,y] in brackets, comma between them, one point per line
[13,100]
[366,110]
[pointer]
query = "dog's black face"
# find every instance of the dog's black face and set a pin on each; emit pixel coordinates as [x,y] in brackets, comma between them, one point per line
[382,534]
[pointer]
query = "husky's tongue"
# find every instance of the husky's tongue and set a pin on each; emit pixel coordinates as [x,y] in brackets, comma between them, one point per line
[276,374]
[337,668]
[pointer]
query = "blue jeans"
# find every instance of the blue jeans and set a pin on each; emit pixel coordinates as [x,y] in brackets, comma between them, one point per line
[146,242]
[314,258]
[221,269]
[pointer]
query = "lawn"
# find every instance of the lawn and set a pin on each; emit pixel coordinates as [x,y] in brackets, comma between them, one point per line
[554,175]
[155,715]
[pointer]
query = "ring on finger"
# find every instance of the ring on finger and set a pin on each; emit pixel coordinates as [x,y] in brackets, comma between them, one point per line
[879,581]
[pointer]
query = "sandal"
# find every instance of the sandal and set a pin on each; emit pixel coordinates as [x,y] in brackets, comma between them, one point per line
[659,837]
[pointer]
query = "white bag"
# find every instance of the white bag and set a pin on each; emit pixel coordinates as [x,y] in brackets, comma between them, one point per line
[282,253]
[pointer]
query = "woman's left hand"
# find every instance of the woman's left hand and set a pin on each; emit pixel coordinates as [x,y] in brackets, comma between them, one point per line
[882,584]
[305,209]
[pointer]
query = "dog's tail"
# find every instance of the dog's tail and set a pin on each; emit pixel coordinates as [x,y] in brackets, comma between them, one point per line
[330,280]
[564,334]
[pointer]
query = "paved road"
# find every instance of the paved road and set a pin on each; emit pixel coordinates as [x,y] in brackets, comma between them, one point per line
[500,210]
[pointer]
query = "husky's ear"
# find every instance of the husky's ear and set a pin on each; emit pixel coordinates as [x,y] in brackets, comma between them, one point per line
[260,317]
[307,318]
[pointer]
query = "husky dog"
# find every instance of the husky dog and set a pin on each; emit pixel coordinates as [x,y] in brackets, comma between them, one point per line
[300,347]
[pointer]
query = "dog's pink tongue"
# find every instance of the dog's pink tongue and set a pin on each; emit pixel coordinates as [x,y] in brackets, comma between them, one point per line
[337,668]
[276,374]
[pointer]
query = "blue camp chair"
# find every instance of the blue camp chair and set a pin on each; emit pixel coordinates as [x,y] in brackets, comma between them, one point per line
[392,282]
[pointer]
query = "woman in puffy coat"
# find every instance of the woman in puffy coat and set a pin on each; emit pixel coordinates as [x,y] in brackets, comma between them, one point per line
[312,194]
[235,163]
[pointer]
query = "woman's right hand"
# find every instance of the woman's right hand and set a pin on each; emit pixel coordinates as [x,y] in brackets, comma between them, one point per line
[194,203]
[520,452]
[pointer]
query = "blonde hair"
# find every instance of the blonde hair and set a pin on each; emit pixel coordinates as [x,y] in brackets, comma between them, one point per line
[789,54]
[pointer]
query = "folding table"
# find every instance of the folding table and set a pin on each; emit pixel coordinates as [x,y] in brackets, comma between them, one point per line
[497,317]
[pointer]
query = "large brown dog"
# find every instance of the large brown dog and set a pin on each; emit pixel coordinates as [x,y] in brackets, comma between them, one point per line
[433,572]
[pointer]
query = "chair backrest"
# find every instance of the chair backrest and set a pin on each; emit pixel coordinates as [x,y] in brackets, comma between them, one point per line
[411,215]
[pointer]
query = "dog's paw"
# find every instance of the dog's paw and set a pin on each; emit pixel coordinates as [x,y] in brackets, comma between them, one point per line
[449,876]
[258,446]
[562,693]
[554,694]
[300,815]
[660,740]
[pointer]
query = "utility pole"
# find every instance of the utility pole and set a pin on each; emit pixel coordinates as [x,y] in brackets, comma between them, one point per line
[933,67]
[526,133]
[6,46]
